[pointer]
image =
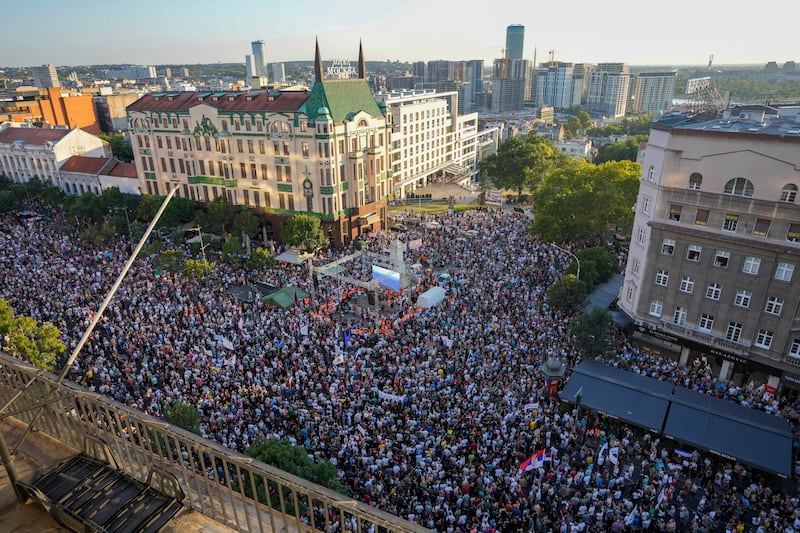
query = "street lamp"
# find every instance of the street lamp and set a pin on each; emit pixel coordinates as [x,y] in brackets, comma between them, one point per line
[577,261]
[127,220]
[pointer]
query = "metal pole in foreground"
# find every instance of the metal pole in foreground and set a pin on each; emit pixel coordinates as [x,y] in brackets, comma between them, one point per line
[577,261]
[8,457]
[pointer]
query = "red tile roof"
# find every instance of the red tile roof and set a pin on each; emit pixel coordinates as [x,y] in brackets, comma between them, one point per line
[224,101]
[34,136]
[85,164]
[124,170]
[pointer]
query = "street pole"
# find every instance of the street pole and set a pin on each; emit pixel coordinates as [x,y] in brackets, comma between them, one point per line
[577,261]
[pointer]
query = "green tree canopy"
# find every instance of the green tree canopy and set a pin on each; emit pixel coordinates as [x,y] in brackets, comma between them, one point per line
[521,163]
[304,232]
[591,331]
[120,148]
[197,268]
[218,216]
[25,338]
[627,150]
[260,259]
[295,460]
[184,416]
[567,294]
[583,202]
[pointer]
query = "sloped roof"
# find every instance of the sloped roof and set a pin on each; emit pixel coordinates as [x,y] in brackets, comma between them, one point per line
[341,98]
[85,164]
[34,136]
[123,170]
[224,101]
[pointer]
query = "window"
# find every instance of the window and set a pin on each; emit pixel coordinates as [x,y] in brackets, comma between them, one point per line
[662,278]
[668,246]
[774,305]
[262,148]
[793,235]
[706,322]
[751,265]
[675,212]
[250,149]
[646,201]
[789,193]
[794,351]
[285,148]
[701,218]
[714,291]
[687,284]
[761,227]
[239,144]
[730,223]
[734,331]
[739,187]
[693,252]
[764,338]
[784,271]
[641,236]
[629,295]
[651,174]
[680,316]
[305,149]
[635,266]
[656,306]
[742,298]
[721,259]
[695,181]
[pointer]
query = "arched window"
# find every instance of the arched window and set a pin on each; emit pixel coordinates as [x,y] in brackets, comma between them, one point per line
[789,193]
[695,181]
[279,127]
[739,187]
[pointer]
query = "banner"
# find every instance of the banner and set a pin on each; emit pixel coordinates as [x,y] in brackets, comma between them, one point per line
[494,198]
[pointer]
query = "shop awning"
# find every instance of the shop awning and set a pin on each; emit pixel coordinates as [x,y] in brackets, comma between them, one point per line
[719,426]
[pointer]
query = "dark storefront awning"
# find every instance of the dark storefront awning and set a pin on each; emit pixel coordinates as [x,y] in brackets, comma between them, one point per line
[722,427]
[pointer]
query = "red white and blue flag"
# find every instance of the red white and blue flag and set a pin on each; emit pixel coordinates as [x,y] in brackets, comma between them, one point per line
[535,461]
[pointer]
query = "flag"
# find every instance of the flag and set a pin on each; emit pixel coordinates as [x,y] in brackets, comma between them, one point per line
[534,461]
[526,465]
[683,453]
[295,296]
[346,334]
[613,455]
[338,360]
[548,456]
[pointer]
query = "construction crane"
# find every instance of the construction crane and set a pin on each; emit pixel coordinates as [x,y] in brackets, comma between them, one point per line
[551,54]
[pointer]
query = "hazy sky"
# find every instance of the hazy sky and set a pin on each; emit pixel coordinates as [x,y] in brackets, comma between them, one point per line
[682,32]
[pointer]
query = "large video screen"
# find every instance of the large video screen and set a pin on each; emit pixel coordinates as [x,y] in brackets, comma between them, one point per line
[386,278]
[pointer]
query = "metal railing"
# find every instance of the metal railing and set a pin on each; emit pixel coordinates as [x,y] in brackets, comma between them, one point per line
[231,488]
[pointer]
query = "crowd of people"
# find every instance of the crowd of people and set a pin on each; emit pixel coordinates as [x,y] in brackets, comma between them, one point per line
[427,413]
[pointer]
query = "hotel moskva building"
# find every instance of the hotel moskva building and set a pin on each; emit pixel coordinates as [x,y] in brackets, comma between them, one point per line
[280,153]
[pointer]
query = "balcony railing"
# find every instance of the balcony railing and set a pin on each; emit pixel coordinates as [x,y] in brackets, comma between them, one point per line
[218,482]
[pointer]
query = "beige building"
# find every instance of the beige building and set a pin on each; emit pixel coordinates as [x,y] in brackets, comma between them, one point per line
[714,261]
[279,153]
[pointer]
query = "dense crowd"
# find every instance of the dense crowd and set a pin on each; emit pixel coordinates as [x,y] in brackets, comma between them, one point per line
[427,413]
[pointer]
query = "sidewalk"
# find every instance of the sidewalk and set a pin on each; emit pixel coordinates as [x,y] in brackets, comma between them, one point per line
[40,453]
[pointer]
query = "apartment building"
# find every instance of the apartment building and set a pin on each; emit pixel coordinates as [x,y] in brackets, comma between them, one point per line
[27,152]
[714,261]
[652,92]
[279,153]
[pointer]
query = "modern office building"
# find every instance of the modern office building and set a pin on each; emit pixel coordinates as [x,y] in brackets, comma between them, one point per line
[652,92]
[249,67]
[278,73]
[515,41]
[45,76]
[555,86]
[714,261]
[260,59]
[323,151]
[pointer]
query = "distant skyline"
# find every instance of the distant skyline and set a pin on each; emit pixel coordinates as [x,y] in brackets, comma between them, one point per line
[185,32]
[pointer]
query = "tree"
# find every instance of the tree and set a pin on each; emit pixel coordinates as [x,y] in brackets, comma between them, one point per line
[232,248]
[627,150]
[169,260]
[25,338]
[295,460]
[260,258]
[184,416]
[197,268]
[219,216]
[245,223]
[120,148]
[520,163]
[567,294]
[304,232]
[584,202]
[591,331]
[8,202]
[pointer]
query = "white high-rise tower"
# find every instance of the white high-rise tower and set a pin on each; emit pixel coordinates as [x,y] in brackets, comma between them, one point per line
[260,59]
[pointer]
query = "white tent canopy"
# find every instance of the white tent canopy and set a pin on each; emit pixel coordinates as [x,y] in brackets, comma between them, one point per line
[431,297]
[293,256]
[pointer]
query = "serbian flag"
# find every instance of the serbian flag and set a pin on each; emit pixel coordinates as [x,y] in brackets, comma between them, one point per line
[534,461]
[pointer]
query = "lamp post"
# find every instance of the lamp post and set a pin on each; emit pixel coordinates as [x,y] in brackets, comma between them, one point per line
[577,261]
[127,220]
